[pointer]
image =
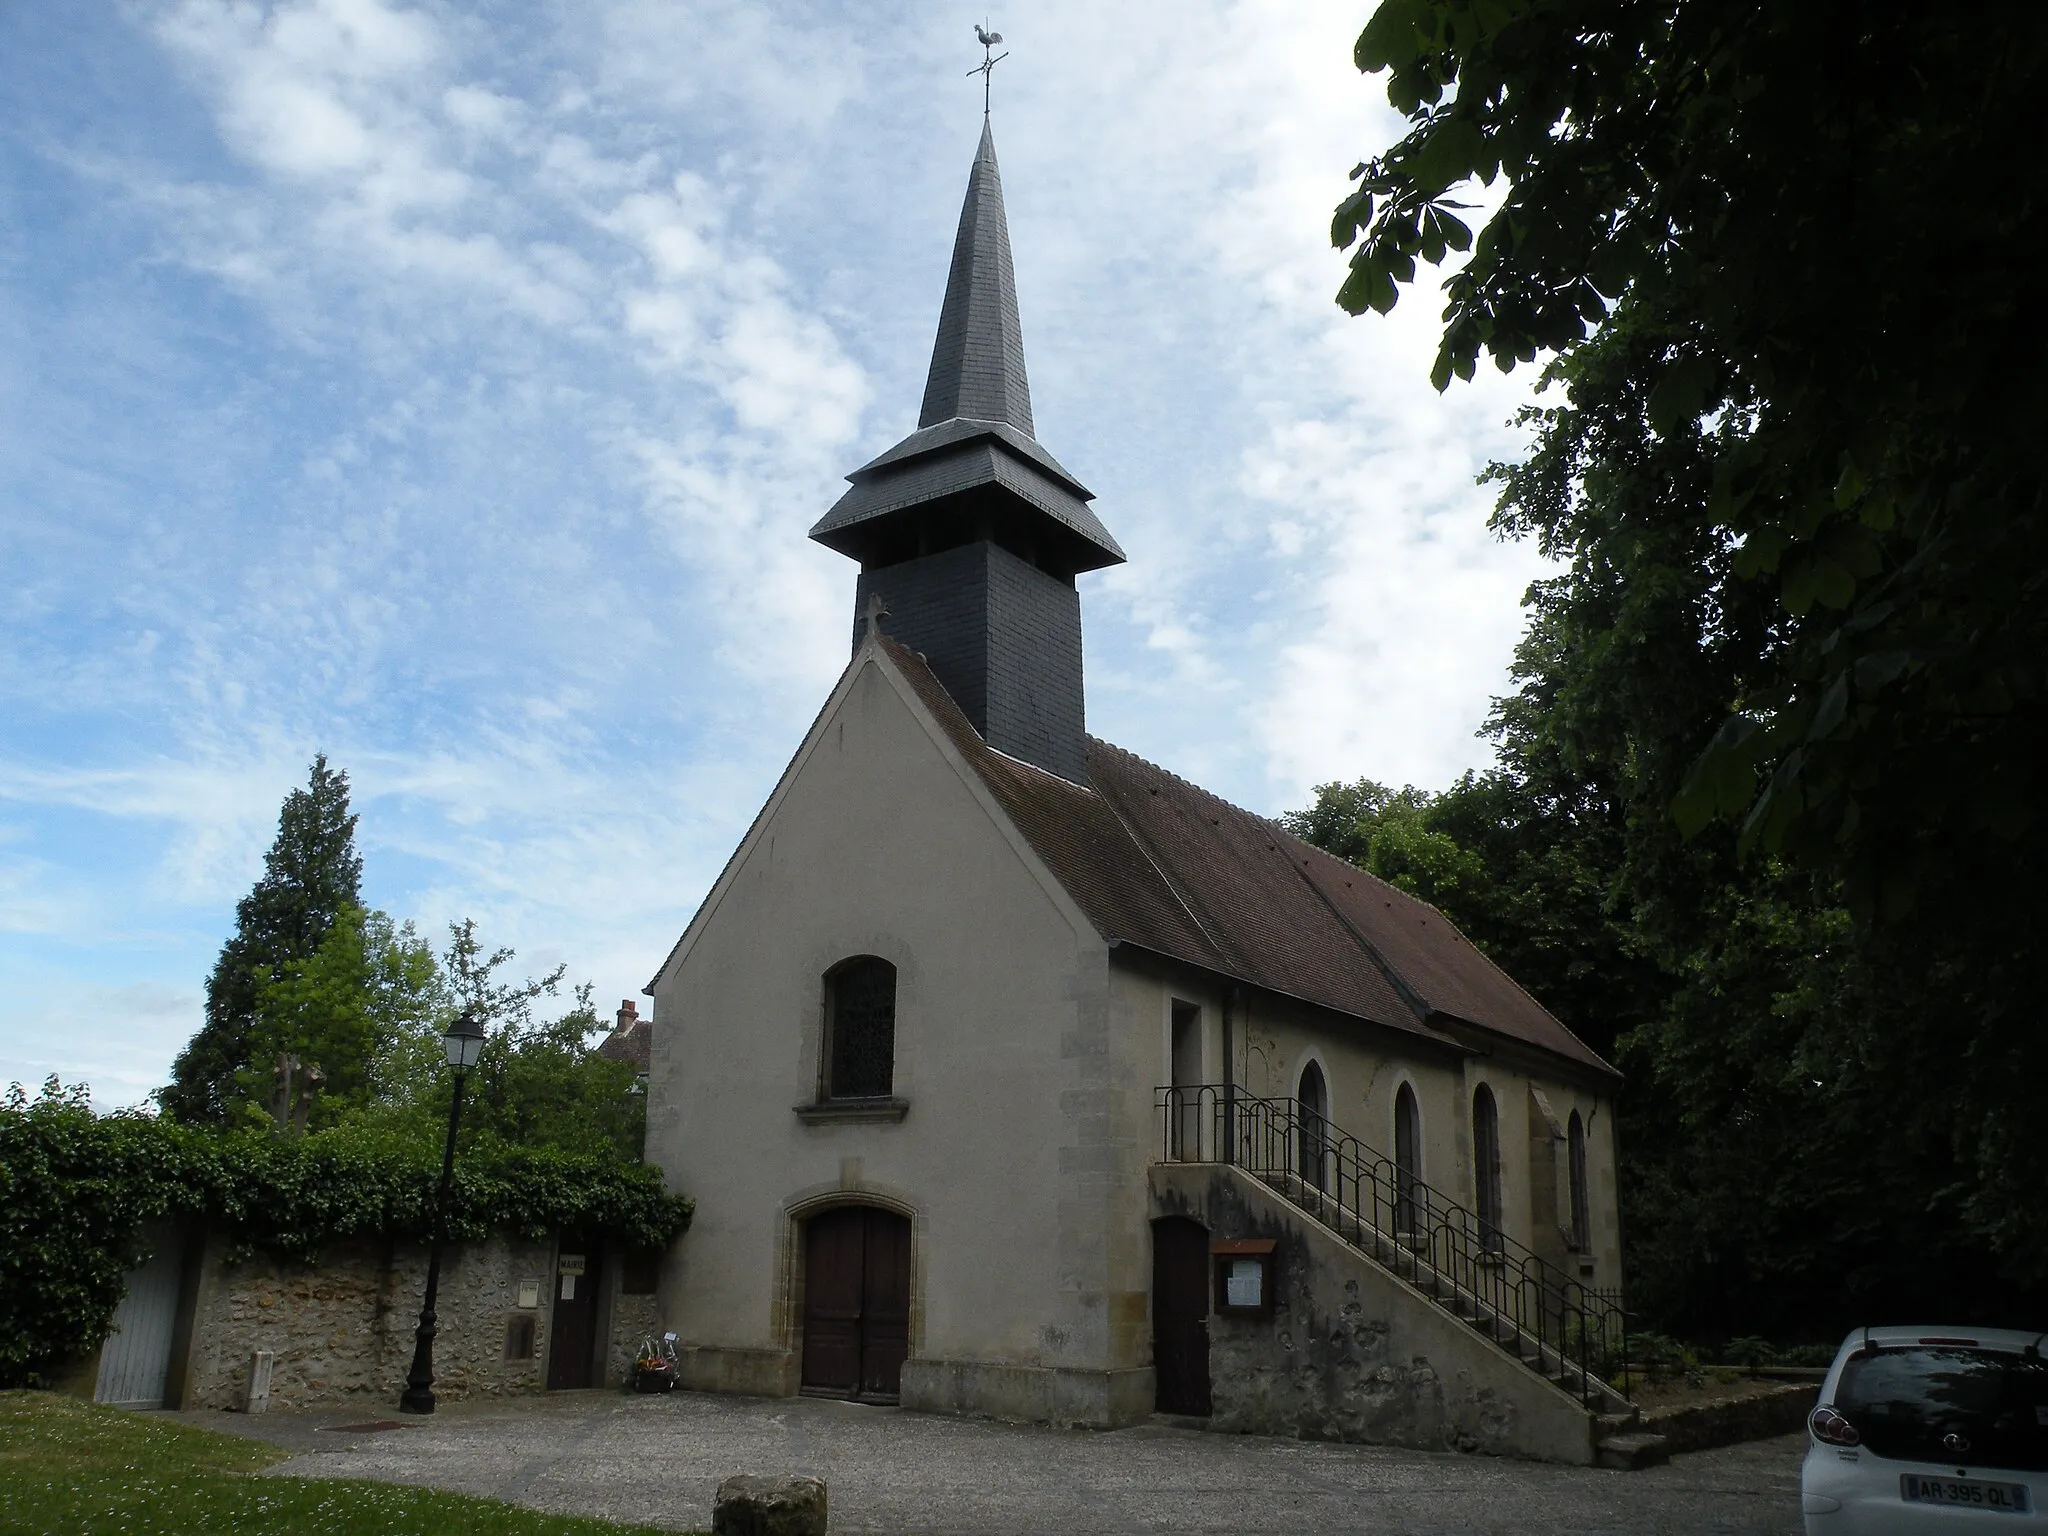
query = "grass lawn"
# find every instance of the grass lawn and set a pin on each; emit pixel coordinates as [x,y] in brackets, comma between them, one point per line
[68,1468]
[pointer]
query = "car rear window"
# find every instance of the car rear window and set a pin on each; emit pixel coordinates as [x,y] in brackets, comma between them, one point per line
[1908,1402]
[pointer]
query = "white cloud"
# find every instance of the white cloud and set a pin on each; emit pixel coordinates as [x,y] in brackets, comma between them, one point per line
[1411,611]
[1347,596]
[490,367]
[37,898]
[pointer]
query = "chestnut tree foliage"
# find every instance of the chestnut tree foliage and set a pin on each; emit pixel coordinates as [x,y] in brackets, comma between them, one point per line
[1778,735]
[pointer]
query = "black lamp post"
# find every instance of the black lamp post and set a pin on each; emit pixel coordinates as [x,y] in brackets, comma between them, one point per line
[464,1043]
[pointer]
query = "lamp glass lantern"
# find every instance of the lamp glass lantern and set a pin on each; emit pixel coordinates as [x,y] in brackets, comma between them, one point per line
[464,1042]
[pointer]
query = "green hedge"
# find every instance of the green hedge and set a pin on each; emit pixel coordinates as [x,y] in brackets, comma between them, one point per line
[77,1189]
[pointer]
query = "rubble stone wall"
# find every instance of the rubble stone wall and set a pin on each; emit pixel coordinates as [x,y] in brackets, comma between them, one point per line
[341,1329]
[1761,1415]
[634,1319]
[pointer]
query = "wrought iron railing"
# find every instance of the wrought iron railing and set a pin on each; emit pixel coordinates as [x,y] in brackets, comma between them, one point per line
[1571,1332]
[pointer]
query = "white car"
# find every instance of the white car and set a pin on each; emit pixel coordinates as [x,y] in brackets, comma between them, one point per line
[1941,1430]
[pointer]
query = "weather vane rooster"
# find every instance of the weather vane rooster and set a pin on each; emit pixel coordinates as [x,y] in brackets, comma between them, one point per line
[989,60]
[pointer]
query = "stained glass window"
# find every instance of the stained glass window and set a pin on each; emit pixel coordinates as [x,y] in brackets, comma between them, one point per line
[1486,1167]
[1407,1161]
[1582,1224]
[860,1024]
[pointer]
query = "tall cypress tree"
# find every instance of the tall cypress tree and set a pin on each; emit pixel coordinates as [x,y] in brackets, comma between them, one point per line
[311,874]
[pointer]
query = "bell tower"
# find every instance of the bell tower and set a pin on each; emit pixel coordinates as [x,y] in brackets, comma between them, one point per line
[968,531]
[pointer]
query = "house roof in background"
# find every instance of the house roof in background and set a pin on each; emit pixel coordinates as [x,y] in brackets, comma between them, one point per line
[632,1042]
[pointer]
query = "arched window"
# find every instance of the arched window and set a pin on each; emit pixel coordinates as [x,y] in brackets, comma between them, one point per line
[1486,1167]
[1582,1209]
[1407,1161]
[860,1029]
[1312,1121]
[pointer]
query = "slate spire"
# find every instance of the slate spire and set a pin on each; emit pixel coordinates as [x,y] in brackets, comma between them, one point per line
[977,370]
[974,468]
[968,533]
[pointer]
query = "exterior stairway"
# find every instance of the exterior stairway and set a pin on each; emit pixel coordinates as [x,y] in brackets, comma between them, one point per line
[1572,1336]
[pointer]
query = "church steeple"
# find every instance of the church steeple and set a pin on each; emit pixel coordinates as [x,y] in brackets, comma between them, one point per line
[974,437]
[969,530]
[977,368]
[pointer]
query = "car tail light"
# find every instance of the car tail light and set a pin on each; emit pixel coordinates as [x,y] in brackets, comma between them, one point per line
[1831,1428]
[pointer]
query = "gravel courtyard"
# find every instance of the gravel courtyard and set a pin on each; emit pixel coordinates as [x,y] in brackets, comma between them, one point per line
[658,1459]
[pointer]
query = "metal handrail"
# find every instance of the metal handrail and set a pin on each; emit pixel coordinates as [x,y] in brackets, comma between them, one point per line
[1529,1306]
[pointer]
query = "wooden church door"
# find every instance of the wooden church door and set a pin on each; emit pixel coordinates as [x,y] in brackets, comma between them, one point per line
[1180,1315]
[856,1303]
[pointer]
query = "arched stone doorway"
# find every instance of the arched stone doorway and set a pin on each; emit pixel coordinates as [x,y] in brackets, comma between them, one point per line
[856,1331]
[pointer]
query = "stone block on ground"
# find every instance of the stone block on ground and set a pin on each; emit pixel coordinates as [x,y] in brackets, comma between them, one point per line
[769,1506]
[1632,1453]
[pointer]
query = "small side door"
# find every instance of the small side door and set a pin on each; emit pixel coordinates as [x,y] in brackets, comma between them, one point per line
[1180,1315]
[572,1337]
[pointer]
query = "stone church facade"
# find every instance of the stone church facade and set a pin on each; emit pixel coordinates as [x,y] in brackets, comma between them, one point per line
[1013,1075]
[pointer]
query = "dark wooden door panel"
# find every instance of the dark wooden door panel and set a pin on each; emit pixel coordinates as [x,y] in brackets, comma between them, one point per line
[885,1305]
[572,1341]
[856,1302]
[835,1244]
[1180,1314]
[831,1358]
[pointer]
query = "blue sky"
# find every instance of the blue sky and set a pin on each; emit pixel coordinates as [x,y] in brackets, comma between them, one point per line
[449,388]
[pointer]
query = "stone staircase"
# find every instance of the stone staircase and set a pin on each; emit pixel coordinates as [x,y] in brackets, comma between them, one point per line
[1500,1291]
[1621,1443]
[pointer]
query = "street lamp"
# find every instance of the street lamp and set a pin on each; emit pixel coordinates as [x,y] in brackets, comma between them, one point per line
[464,1043]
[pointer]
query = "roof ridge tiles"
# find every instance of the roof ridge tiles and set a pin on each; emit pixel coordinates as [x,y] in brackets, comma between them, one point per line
[1210,794]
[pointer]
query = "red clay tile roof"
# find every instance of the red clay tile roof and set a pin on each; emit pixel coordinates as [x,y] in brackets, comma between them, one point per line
[1156,862]
[633,1044]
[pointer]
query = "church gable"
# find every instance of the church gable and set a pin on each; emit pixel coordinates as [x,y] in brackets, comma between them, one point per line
[874,735]
[1072,829]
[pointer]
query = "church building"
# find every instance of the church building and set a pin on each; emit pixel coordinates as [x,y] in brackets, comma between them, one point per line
[1014,1076]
